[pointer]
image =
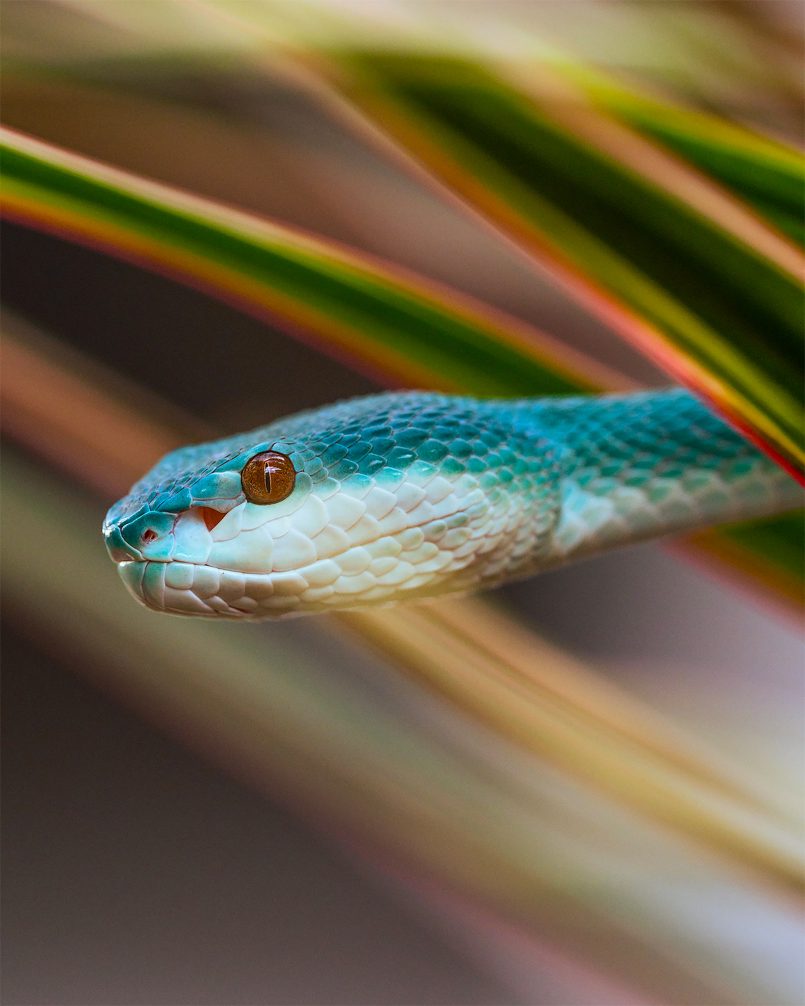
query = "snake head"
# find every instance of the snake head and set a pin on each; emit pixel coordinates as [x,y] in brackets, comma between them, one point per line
[365,502]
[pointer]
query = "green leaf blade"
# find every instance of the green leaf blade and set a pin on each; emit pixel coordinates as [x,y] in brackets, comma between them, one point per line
[717,311]
[373,310]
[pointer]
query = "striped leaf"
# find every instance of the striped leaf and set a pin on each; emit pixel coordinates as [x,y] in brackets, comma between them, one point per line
[672,262]
[766,173]
[390,325]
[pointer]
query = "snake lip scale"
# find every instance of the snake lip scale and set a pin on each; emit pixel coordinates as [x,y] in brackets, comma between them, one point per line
[136,564]
[411,494]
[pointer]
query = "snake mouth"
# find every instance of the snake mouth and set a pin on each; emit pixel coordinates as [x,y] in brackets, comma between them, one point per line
[147,581]
[186,588]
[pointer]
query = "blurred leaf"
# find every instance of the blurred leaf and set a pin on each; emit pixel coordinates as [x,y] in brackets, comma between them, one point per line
[689,275]
[768,551]
[348,305]
[769,175]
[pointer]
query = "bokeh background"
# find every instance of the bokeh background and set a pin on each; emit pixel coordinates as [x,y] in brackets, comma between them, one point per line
[602,808]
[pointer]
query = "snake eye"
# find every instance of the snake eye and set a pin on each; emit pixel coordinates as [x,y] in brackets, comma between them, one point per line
[268,477]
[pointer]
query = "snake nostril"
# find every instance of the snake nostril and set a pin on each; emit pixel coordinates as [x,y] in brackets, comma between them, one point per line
[149,535]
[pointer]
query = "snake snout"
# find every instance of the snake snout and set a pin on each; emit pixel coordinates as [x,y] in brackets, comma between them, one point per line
[116,545]
[120,553]
[145,536]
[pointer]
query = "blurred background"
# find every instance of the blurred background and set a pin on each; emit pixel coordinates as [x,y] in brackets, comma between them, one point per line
[584,789]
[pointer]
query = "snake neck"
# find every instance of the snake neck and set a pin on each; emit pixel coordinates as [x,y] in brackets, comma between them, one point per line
[644,465]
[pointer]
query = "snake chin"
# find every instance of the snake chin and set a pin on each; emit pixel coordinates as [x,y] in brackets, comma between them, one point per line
[199,590]
[184,588]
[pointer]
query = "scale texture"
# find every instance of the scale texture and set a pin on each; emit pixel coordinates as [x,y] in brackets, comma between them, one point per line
[411,494]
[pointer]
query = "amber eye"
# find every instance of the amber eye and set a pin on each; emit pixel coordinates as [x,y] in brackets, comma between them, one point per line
[268,477]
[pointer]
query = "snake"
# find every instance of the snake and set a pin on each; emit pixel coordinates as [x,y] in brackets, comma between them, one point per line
[411,494]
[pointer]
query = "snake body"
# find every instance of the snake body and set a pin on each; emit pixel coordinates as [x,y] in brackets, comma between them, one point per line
[410,494]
